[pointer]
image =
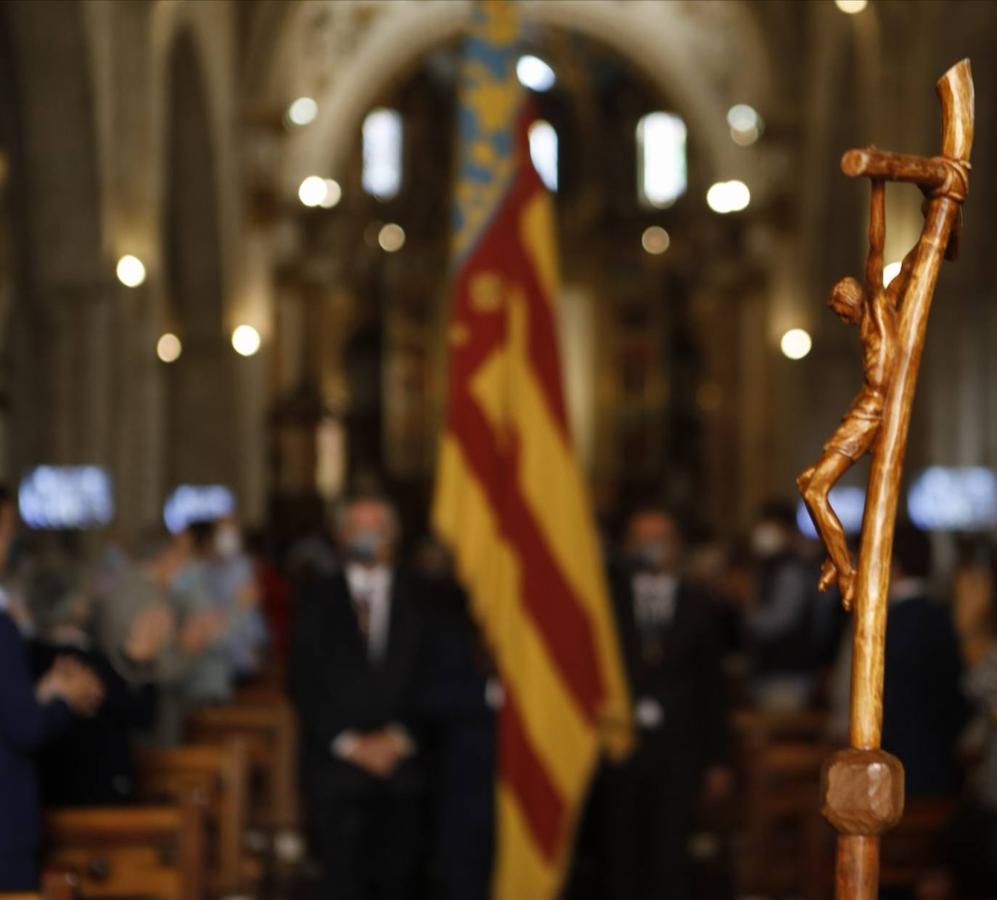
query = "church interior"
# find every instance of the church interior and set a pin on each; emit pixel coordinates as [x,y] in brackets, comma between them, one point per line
[251,654]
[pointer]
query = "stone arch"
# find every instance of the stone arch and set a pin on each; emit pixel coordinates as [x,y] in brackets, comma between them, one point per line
[664,41]
[199,434]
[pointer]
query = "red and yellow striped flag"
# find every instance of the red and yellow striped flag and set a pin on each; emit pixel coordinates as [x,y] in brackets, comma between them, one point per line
[511,500]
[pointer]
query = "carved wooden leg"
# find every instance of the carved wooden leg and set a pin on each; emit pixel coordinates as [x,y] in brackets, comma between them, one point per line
[815,486]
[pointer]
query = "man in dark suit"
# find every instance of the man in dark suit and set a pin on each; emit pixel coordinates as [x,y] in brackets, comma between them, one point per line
[924,709]
[672,659]
[459,707]
[356,656]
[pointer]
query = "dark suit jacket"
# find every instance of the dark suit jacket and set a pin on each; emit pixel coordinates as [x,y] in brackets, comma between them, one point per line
[24,726]
[923,708]
[687,679]
[336,688]
[92,764]
[460,744]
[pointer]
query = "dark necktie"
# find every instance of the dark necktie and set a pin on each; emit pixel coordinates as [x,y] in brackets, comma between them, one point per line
[652,622]
[362,604]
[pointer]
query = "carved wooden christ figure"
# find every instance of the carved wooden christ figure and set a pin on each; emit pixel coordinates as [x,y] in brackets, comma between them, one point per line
[862,786]
[874,309]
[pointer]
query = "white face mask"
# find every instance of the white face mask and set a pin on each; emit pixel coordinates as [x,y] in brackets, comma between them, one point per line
[768,540]
[364,546]
[228,542]
[654,555]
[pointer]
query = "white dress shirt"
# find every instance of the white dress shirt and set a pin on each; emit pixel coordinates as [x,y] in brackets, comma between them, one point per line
[654,608]
[654,598]
[372,585]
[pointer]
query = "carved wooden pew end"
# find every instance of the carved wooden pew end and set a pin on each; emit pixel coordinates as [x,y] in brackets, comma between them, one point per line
[154,852]
[218,776]
[56,884]
[270,732]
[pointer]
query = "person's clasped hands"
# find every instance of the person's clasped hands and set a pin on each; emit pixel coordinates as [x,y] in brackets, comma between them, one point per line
[380,752]
[201,629]
[76,684]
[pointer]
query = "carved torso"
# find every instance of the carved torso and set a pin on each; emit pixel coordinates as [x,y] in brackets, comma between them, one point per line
[879,335]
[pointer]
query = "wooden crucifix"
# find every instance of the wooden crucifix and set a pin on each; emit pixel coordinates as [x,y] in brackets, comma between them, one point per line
[862,788]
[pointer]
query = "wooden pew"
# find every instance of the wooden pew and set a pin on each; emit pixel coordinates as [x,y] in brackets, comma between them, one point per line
[269,683]
[218,776]
[56,884]
[753,727]
[269,729]
[914,855]
[153,852]
[779,757]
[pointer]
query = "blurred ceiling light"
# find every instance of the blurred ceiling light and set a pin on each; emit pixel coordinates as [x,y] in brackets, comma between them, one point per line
[169,348]
[795,343]
[333,194]
[851,6]
[313,191]
[662,174]
[746,125]
[954,499]
[66,497]
[391,237]
[745,138]
[302,111]
[543,152]
[890,271]
[655,240]
[535,74]
[130,271]
[197,503]
[245,340]
[728,196]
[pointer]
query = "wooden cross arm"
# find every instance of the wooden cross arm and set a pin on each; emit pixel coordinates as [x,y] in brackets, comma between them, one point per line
[937,176]
[944,175]
[930,173]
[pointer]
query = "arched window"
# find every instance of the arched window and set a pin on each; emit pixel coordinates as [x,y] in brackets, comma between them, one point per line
[543,152]
[661,160]
[382,153]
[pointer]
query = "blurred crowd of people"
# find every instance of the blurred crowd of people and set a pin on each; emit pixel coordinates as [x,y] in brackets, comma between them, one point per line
[397,695]
[104,650]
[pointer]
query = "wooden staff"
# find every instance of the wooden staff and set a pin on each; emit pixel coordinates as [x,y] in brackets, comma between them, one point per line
[862,789]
